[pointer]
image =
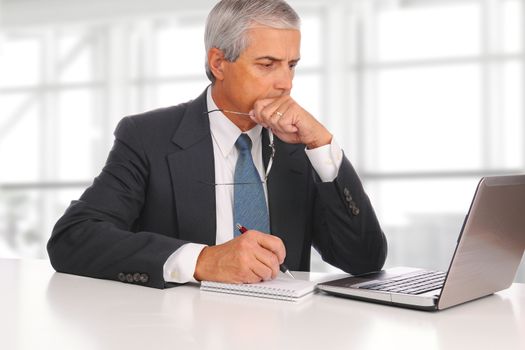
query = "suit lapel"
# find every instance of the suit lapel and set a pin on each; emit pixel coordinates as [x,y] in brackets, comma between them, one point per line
[285,181]
[266,148]
[288,200]
[193,175]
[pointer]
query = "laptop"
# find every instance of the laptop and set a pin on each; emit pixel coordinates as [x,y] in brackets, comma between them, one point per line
[488,253]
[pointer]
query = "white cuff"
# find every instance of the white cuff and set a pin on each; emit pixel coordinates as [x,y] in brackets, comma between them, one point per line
[326,160]
[180,266]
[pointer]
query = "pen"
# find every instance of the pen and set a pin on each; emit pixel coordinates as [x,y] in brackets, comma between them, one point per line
[282,267]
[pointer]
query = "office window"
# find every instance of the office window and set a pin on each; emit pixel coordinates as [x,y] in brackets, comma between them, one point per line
[441,108]
[424,97]
[424,113]
[421,31]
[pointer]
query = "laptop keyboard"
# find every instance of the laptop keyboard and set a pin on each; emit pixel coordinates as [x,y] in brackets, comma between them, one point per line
[418,283]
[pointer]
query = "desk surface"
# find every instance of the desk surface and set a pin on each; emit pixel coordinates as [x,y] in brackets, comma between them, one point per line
[41,309]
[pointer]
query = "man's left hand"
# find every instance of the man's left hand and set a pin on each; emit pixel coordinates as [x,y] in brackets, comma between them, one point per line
[290,122]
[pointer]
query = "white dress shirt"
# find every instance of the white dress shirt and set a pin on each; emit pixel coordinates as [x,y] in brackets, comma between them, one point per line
[326,161]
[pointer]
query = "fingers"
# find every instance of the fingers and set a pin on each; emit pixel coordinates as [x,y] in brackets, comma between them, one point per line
[279,114]
[290,122]
[274,245]
[249,258]
[268,111]
[269,264]
[262,272]
[268,252]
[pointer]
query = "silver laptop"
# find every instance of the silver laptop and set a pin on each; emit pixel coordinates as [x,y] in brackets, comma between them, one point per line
[488,253]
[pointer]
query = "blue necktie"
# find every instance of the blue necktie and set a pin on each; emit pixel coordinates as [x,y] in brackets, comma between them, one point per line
[249,203]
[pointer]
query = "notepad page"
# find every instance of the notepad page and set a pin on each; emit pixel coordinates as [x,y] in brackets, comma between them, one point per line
[282,288]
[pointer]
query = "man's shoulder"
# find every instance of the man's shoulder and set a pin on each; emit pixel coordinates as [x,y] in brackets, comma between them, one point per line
[161,122]
[158,124]
[160,115]
[156,128]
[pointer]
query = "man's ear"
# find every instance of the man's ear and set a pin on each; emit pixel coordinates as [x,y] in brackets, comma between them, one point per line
[216,61]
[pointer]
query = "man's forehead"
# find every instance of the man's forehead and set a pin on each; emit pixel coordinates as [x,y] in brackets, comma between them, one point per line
[273,43]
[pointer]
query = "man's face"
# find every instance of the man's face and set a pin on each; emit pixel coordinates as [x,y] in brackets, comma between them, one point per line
[265,69]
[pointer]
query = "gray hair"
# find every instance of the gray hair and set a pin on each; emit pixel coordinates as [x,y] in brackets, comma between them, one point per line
[229,21]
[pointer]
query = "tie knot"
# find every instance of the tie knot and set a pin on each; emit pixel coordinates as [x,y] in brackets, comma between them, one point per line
[243,143]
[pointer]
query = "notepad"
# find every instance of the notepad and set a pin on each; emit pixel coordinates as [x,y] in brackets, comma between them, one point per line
[281,288]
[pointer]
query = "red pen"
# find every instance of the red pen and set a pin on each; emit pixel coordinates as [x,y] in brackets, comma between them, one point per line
[282,267]
[241,228]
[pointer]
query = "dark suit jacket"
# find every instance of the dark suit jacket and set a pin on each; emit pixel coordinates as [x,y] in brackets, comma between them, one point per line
[156,193]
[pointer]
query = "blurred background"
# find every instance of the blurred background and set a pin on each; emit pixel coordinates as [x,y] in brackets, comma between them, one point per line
[424,96]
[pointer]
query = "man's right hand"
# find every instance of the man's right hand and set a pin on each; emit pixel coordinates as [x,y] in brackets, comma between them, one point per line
[249,258]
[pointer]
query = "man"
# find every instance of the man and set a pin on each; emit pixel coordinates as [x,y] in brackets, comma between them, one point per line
[165,206]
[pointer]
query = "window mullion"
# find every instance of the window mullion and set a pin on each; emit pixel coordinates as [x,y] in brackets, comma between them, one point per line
[492,84]
[522,23]
[49,135]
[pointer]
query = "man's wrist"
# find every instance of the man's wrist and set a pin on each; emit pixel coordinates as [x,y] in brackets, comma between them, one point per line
[326,160]
[199,266]
[180,266]
[324,140]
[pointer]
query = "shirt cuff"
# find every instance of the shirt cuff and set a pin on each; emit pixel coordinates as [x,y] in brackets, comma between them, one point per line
[180,266]
[326,160]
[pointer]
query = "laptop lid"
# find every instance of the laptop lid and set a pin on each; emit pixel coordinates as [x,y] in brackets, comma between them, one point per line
[491,244]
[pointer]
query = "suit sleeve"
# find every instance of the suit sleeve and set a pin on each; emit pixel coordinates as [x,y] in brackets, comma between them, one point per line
[94,237]
[347,233]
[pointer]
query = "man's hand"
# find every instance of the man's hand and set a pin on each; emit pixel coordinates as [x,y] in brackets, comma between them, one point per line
[290,122]
[251,257]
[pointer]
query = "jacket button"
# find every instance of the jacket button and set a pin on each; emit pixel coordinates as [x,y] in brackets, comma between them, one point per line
[144,278]
[355,209]
[121,277]
[129,277]
[348,196]
[136,277]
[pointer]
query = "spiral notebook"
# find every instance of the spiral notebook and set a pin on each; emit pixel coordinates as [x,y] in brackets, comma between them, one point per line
[281,288]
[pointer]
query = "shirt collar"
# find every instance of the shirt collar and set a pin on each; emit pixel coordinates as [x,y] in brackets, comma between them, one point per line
[224,131]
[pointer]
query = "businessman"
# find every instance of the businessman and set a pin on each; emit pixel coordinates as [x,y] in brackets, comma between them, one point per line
[177,180]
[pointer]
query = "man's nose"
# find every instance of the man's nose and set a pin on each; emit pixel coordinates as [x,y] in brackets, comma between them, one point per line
[284,80]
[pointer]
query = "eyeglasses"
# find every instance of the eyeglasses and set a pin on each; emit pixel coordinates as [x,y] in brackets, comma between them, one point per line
[272,154]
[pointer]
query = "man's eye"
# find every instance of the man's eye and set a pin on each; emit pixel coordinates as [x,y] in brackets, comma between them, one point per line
[267,65]
[293,65]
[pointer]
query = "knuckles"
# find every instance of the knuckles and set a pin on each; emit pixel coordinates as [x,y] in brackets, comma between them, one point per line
[242,261]
[246,241]
[274,261]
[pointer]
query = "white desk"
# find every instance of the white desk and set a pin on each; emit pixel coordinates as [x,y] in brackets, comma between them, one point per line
[41,309]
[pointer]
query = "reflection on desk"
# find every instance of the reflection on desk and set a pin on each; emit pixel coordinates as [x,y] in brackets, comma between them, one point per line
[44,309]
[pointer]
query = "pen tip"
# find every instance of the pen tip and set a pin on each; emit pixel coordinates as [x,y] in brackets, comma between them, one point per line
[239,226]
